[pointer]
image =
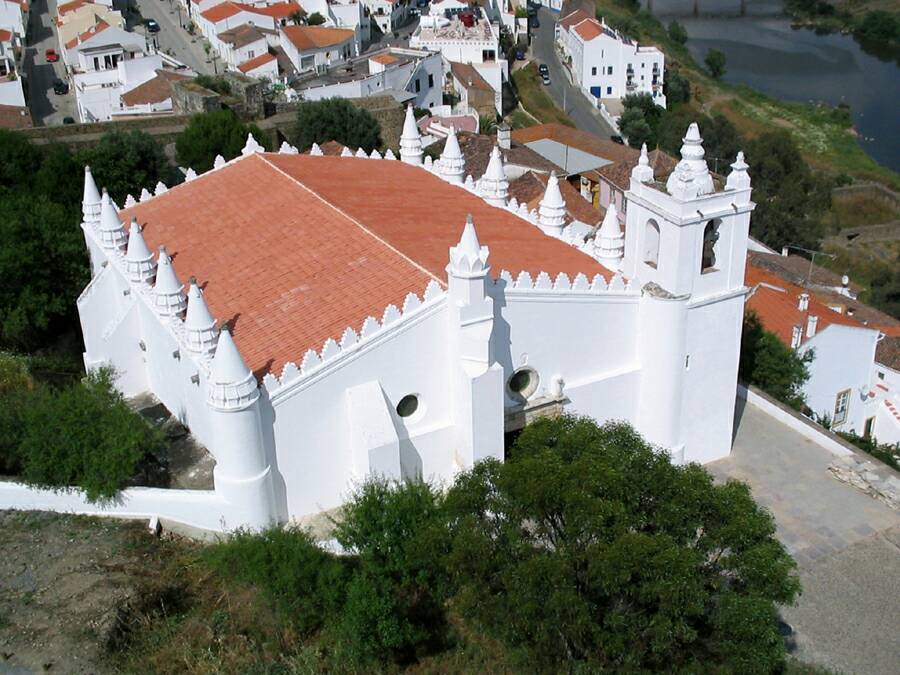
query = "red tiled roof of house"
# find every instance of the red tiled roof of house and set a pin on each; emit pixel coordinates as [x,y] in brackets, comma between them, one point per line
[278,10]
[574,18]
[530,187]
[255,63]
[776,303]
[316,37]
[384,59]
[99,27]
[15,117]
[332,148]
[5,35]
[67,7]
[576,138]
[469,76]
[222,11]
[154,90]
[589,29]
[327,243]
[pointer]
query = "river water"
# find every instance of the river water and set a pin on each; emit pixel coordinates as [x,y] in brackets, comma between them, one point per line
[764,52]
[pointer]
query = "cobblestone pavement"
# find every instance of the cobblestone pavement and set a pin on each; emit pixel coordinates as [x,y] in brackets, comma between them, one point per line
[846,544]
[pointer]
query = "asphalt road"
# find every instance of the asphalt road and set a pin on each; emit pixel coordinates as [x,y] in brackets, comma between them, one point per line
[47,108]
[563,93]
[172,38]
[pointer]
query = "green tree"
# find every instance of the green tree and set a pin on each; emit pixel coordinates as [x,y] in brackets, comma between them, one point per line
[395,600]
[219,132]
[879,28]
[771,365]
[715,62]
[43,268]
[634,126]
[678,88]
[315,19]
[16,386]
[21,160]
[85,436]
[677,32]
[335,119]
[589,551]
[124,162]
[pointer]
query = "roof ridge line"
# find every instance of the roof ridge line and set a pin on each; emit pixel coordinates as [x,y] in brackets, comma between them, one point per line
[354,221]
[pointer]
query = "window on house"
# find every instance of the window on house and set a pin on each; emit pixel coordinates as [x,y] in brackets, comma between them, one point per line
[609,91]
[841,405]
[609,70]
[250,54]
[651,244]
[418,85]
[408,405]
[96,63]
[523,383]
[869,427]
[710,237]
[594,70]
[880,375]
[430,81]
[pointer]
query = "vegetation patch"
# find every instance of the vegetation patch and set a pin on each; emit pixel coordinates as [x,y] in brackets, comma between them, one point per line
[534,99]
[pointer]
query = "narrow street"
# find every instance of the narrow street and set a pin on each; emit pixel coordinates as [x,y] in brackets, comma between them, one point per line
[172,39]
[561,90]
[47,108]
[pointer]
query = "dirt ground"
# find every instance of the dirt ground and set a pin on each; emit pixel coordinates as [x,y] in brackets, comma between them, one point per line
[62,582]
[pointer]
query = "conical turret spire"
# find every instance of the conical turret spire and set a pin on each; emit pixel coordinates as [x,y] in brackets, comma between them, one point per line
[609,242]
[691,177]
[410,140]
[452,167]
[643,172]
[139,261]
[552,208]
[200,326]
[468,258]
[112,233]
[251,147]
[494,186]
[90,202]
[231,383]
[168,291]
[738,179]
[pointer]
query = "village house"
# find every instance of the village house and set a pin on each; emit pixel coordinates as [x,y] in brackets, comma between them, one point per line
[607,65]
[853,382]
[12,95]
[14,16]
[388,15]
[401,327]
[317,47]
[78,16]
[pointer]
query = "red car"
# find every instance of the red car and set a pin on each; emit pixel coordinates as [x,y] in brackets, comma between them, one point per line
[52,56]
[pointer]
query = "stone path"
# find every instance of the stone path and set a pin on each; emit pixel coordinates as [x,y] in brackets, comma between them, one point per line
[845,543]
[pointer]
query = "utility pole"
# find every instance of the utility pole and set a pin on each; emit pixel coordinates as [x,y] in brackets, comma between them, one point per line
[812,259]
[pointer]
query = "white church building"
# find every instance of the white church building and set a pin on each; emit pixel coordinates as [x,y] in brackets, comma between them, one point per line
[397,317]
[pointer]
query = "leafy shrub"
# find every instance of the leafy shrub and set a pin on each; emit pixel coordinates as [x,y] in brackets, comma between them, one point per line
[677,32]
[886,452]
[83,436]
[771,365]
[305,584]
[217,84]
[335,119]
[219,132]
[590,550]
[16,386]
[715,62]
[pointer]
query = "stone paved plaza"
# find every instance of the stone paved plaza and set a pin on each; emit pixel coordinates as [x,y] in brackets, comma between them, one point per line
[846,543]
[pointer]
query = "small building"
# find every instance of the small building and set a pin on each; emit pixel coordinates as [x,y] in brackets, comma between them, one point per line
[244,43]
[317,47]
[388,15]
[12,93]
[78,16]
[14,16]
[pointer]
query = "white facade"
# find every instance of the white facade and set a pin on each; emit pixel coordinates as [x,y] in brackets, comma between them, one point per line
[607,65]
[305,58]
[657,347]
[388,15]
[11,91]
[13,16]
[98,93]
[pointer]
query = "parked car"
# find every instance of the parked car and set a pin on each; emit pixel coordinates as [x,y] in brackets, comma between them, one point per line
[51,55]
[68,120]
[520,55]
[535,22]
[544,70]
[152,26]
[421,3]
[545,78]
[617,139]
[60,87]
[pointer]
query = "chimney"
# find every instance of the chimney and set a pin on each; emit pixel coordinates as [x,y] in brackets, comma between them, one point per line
[811,322]
[784,251]
[504,136]
[803,304]
[796,336]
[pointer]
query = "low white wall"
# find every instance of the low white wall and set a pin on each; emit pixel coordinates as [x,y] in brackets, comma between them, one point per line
[806,428]
[201,509]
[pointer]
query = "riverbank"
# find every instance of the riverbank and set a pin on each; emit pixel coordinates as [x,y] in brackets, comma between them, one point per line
[823,132]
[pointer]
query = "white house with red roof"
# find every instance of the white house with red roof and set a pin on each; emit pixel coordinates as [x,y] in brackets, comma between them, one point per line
[14,16]
[317,47]
[605,63]
[76,17]
[368,316]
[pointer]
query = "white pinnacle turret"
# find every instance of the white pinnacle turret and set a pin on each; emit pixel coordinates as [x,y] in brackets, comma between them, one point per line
[494,186]
[315,150]
[90,203]
[218,162]
[168,291]
[251,147]
[468,259]
[643,172]
[200,326]
[189,175]
[112,233]
[346,152]
[738,179]
[609,242]
[139,261]
[231,383]
[691,177]
[452,166]
[410,140]
[552,208]
[145,194]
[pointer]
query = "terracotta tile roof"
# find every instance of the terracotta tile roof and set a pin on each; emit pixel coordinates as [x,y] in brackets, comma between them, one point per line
[776,303]
[332,148]
[99,27]
[576,138]
[619,173]
[796,269]
[469,77]
[316,37]
[5,35]
[589,29]
[329,242]
[243,35]
[15,117]
[67,7]
[384,59]
[278,10]
[255,63]
[222,11]
[574,18]
[154,90]
[530,186]
[887,352]
[477,148]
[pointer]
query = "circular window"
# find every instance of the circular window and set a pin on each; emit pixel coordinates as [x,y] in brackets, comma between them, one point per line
[408,405]
[523,383]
